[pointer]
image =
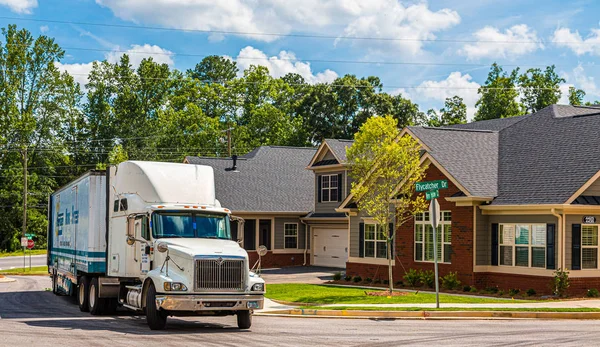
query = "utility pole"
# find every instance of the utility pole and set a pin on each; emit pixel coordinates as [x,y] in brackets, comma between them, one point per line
[24,199]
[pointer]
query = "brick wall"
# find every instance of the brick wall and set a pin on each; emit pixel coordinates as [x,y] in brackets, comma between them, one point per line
[271,260]
[461,260]
[541,284]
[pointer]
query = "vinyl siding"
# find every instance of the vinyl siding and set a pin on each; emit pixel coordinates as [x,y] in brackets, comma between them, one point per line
[593,190]
[484,239]
[354,247]
[279,232]
[328,207]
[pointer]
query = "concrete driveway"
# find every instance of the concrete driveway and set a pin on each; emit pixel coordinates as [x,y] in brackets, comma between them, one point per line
[299,274]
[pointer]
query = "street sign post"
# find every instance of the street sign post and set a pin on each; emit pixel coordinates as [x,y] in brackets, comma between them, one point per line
[435,216]
[23,242]
[30,245]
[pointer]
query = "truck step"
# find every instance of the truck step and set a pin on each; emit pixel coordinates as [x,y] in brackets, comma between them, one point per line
[137,288]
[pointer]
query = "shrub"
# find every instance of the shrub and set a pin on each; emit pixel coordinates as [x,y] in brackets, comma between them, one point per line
[560,282]
[592,293]
[400,284]
[376,281]
[491,290]
[337,276]
[500,292]
[368,280]
[473,290]
[531,292]
[412,277]
[513,291]
[386,282]
[348,278]
[428,278]
[450,281]
[466,288]
[356,279]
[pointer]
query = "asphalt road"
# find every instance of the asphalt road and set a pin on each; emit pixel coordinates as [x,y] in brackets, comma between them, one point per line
[30,316]
[7,263]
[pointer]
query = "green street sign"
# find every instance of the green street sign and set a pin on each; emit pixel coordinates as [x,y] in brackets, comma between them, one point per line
[432,194]
[431,185]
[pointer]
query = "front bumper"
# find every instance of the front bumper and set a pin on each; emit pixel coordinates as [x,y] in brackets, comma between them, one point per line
[196,303]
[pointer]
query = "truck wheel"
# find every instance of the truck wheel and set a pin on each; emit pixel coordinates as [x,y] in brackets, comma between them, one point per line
[156,319]
[244,319]
[83,290]
[96,303]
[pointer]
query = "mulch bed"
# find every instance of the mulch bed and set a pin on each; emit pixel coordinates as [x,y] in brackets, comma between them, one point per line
[386,293]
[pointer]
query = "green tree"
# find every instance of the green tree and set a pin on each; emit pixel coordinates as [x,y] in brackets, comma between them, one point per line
[498,95]
[540,88]
[576,96]
[214,69]
[453,112]
[385,168]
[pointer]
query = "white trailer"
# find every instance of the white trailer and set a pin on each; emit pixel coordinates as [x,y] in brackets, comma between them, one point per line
[150,237]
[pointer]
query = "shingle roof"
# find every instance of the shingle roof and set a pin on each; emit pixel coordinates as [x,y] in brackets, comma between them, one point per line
[339,147]
[541,158]
[470,156]
[549,155]
[268,179]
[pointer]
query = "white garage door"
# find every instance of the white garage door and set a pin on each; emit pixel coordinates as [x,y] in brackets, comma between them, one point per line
[330,247]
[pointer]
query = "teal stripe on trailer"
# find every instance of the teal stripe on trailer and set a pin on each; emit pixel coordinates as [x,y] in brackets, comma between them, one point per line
[79,252]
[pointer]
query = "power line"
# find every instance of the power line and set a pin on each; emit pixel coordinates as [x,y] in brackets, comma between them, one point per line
[309,36]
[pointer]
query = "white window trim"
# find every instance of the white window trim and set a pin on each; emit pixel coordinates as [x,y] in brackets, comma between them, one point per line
[290,236]
[329,189]
[424,223]
[375,240]
[529,246]
[592,247]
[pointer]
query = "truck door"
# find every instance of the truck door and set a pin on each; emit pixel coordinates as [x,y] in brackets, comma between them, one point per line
[144,248]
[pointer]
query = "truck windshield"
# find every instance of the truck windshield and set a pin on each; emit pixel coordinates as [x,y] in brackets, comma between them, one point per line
[190,225]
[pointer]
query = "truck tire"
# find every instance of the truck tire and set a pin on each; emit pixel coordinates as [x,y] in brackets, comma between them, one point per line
[83,291]
[95,303]
[244,319]
[157,319]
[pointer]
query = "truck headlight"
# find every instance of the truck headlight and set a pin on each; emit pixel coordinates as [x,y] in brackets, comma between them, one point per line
[175,286]
[258,287]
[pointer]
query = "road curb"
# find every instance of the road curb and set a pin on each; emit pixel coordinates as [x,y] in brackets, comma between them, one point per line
[7,280]
[306,313]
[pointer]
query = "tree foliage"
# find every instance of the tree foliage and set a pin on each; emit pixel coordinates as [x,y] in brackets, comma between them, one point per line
[498,95]
[540,88]
[454,112]
[385,167]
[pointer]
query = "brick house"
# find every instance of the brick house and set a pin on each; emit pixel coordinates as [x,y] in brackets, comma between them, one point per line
[523,200]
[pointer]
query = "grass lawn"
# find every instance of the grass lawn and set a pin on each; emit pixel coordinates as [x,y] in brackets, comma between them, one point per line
[20,253]
[35,270]
[519,309]
[316,294]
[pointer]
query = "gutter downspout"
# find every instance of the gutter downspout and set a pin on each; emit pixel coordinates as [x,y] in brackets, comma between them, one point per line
[305,240]
[561,252]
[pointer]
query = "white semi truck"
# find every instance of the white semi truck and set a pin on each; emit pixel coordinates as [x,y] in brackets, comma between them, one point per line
[153,238]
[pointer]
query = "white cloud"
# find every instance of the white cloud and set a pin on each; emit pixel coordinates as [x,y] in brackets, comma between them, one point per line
[352,18]
[455,84]
[493,43]
[20,6]
[44,29]
[282,64]
[137,53]
[563,37]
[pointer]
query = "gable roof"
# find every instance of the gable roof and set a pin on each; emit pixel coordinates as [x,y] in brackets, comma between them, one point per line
[470,156]
[268,179]
[338,147]
[540,158]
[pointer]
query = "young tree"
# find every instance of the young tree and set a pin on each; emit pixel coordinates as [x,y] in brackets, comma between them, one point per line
[576,96]
[540,89]
[385,168]
[498,95]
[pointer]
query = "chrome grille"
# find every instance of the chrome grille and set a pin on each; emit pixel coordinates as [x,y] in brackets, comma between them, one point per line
[218,274]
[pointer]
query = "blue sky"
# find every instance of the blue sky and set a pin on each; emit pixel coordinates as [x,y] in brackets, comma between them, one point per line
[439,48]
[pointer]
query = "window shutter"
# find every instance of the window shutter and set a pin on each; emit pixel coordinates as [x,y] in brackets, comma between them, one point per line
[550,248]
[393,244]
[340,185]
[361,240]
[495,244]
[576,250]
[319,185]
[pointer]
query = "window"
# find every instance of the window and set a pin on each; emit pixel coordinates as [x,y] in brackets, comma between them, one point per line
[290,235]
[424,237]
[589,246]
[522,245]
[375,241]
[329,188]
